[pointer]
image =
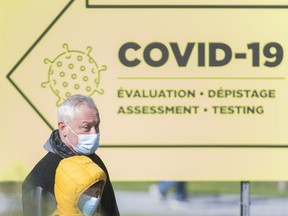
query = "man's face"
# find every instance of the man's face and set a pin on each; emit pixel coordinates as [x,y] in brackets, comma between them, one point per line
[85,121]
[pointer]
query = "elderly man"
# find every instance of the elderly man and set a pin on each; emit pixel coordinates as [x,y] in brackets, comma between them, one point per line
[77,134]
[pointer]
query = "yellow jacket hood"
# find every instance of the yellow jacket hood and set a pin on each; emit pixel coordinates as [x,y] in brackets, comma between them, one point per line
[73,176]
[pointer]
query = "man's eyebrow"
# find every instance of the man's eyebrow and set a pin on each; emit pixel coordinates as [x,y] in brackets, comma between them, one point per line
[90,122]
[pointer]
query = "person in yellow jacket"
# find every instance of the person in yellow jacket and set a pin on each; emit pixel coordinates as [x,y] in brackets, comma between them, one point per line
[79,184]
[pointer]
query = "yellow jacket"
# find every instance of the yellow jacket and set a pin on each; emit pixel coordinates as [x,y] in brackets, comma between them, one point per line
[73,176]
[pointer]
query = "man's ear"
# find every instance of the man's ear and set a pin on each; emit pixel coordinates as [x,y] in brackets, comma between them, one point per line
[62,128]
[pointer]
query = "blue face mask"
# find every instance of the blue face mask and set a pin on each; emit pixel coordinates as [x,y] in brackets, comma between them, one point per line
[87,143]
[88,204]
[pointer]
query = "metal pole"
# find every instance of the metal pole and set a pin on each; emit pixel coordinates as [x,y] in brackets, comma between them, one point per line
[245,198]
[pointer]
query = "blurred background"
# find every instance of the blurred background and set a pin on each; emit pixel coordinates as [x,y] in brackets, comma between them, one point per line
[204,199]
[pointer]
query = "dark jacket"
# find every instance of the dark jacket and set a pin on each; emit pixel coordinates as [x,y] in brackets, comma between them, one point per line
[38,187]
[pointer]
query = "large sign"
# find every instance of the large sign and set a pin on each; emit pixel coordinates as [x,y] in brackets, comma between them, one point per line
[178,84]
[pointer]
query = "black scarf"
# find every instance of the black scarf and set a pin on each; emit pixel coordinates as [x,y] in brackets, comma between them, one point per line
[58,146]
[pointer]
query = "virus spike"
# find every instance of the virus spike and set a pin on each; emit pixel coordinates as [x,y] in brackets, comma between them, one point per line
[88,49]
[47,61]
[66,47]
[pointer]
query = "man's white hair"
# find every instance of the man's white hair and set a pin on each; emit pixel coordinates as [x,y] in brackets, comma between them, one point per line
[69,107]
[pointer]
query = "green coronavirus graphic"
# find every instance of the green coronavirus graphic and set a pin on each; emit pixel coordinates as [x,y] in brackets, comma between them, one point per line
[73,72]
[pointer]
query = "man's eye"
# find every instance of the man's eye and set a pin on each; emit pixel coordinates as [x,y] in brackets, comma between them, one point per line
[86,127]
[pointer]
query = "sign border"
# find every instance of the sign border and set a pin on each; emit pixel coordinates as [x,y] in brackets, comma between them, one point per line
[183,6]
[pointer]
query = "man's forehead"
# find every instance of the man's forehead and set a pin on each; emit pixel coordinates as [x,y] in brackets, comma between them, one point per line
[87,113]
[82,121]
